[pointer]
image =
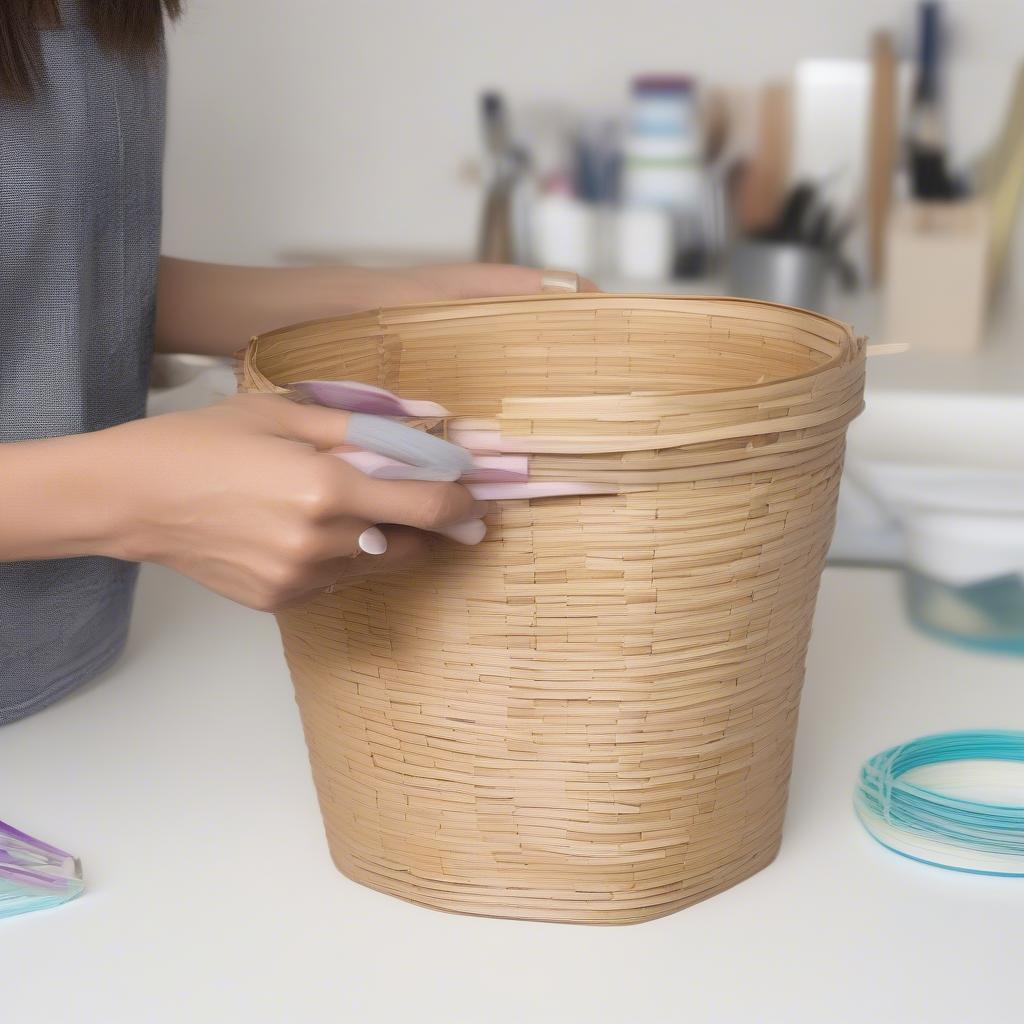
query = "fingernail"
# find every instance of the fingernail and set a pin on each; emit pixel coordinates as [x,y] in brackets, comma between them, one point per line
[372,541]
[470,532]
[480,509]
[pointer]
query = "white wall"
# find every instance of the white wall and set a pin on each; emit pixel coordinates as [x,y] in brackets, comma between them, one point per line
[334,124]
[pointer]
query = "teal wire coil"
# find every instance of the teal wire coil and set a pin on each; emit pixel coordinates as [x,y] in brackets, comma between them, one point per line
[955,800]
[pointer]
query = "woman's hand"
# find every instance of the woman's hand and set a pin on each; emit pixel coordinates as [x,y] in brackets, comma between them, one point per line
[432,283]
[241,496]
[214,309]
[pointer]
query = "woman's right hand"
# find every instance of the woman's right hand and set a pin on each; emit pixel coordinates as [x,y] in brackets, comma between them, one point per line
[242,497]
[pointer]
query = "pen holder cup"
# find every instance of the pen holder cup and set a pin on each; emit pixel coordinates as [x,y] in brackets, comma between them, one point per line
[589,717]
[937,275]
[785,272]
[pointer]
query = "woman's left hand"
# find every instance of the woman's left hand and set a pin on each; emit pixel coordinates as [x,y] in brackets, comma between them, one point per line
[463,281]
[213,309]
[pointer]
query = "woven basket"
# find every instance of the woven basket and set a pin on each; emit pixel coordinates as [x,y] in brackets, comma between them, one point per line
[589,717]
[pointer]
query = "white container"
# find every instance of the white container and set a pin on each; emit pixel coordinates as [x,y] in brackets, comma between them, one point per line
[963,535]
[954,484]
[961,526]
[663,172]
[564,233]
[644,244]
[662,155]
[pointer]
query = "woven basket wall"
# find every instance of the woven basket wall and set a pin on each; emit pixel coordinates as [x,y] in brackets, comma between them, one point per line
[589,717]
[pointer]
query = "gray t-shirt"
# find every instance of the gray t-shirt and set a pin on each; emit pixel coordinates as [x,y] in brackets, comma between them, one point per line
[80,178]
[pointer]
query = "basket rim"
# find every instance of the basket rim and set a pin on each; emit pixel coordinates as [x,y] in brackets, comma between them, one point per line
[856,343]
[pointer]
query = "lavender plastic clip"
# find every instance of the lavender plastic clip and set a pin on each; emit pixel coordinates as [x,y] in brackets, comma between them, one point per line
[33,874]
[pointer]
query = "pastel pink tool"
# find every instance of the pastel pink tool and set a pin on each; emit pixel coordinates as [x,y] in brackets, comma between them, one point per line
[353,396]
[486,468]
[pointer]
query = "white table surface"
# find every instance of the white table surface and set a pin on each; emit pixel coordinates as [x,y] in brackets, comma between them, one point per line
[181,780]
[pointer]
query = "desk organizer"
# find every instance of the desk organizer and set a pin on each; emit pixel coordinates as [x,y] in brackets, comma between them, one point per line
[590,716]
[937,276]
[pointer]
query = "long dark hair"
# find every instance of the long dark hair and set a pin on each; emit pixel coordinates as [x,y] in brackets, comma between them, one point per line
[128,26]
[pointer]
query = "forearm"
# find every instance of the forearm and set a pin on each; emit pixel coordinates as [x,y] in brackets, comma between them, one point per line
[54,501]
[214,309]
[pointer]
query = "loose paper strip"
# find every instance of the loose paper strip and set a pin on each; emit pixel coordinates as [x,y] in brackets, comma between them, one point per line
[353,396]
[537,489]
[486,469]
[33,874]
[477,440]
[492,479]
[890,348]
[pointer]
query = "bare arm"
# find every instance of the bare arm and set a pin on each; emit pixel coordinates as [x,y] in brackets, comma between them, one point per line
[52,499]
[240,496]
[214,309]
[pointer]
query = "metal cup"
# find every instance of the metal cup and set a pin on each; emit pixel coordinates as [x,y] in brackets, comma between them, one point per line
[785,272]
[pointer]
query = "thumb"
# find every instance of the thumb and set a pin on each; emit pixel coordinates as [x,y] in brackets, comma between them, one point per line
[315,425]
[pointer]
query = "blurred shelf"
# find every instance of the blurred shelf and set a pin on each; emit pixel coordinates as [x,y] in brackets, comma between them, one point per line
[997,369]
